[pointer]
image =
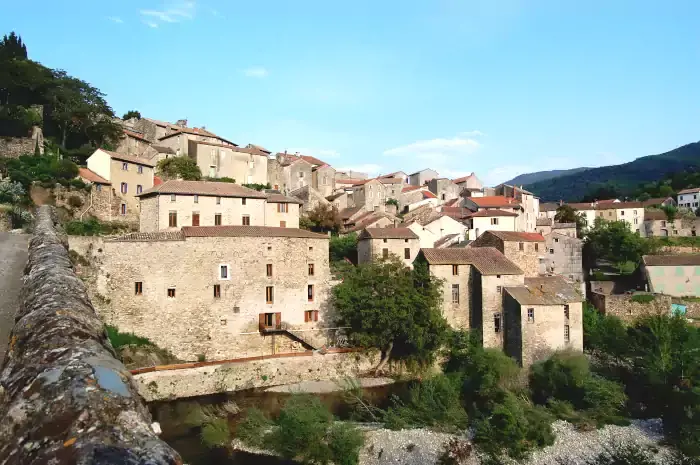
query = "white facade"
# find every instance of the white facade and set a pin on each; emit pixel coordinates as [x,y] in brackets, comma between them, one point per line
[480,225]
[436,230]
[689,198]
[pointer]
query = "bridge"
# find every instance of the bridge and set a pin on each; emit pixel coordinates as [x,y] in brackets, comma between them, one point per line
[64,396]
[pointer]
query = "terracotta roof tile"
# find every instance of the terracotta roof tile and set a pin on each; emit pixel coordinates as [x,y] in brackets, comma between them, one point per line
[462,179]
[494,201]
[249,231]
[514,236]
[672,260]
[135,135]
[549,290]
[349,181]
[488,260]
[211,188]
[279,198]
[129,158]
[619,205]
[690,190]
[444,240]
[656,201]
[491,213]
[91,176]
[150,237]
[451,203]
[410,188]
[365,220]
[655,215]
[387,233]
[234,148]
[428,195]
[457,212]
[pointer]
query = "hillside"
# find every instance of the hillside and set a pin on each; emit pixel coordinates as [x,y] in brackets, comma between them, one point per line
[531,178]
[625,177]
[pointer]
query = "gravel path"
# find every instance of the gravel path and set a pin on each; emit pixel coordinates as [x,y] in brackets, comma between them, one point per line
[13,258]
[322,387]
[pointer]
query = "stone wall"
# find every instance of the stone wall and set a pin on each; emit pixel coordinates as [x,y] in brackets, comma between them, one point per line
[98,202]
[528,258]
[190,382]
[457,314]
[623,307]
[5,221]
[64,397]
[13,147]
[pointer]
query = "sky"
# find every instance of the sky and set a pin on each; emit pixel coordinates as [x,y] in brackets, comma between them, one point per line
[495,87]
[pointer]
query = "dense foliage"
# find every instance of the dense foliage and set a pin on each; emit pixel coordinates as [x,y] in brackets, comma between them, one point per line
[567,214]
[95,227]
[48,170]
[179,168]
[131,114]
[255,186]
[323,218]
[393,308]
[615,242]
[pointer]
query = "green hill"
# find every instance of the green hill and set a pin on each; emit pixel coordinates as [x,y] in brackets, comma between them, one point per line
[531,178]
[625,177]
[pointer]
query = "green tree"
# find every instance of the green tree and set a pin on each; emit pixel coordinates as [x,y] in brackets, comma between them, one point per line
[567,214]
[602,192]
[179,168]
[131,114]
[393,308]
[12,47]
[343,247]
[613,241]
[324,218]
[670,211]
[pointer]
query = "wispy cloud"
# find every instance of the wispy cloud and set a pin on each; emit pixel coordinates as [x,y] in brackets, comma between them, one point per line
[370,168]
[441,147]
[171,12]
[256,72]
[115,19]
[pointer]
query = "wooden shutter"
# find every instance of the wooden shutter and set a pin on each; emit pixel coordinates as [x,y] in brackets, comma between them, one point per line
[306,317]
[261,320]
[195,219]
[278,320]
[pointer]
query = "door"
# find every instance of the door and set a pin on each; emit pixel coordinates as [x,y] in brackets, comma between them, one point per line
[195,219]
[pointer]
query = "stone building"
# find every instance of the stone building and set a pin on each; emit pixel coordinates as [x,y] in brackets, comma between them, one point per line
[656,223]
[372,194]
[630,212]
[674,275]
[444,189]
[288,173]
[529,202]
[380,243]
[469,184]
[246,290]
[133,143]
[177,203]
[542,316]
[310,198]
[688,198]
[490,220]
[102,202]
[215,160]
[564,257]
[524,249]
[436,227]
[129,176]
[420,178]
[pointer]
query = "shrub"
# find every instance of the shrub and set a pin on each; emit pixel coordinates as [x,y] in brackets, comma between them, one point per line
[253,428]
[301,427]
[342,247]
[11,192]
[623,454]
[434,402]
[179,168]
[75,201]
[456,451]
[257,186]
[119,339]
[345,443]
[79,184]
[216,433]
[642,298]
[489,373]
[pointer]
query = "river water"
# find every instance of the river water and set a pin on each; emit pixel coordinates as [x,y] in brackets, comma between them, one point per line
[175,418]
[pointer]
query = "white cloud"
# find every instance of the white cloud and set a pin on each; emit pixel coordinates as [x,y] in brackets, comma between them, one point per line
[256,72]
[426,149]
[474,133]
[115,19]
[172,12]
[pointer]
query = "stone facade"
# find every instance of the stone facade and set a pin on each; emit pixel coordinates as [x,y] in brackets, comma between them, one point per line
[564,256]
[283,214]
[200,309]
[133,144]
[444,189]
[490,290]
[525,250]
[626,309]
[14,147]
[406,249]
[216,160]
[421,177]
[457,311]
[311,198]
[323,179]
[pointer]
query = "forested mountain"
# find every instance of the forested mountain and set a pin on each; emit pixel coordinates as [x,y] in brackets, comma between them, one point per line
[625,178]
[530,178]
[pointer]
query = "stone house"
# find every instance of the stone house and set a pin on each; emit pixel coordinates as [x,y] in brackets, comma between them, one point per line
[380,243]
[396,174]
[177,203]
[526,250]
[470,184]
[674,275]
[420,178]
[133,143]
[413,197]
[372,194]
[246,290]
[656,224]
[444,189]
[542,316]
[102,203]
[588,211]
[129,176]
[155,130]
[436,227]
[688,198]
[310,198]
[289,172]
[544,224]
[630,212]
[529,202]
[490,220]
[659,202]
[323,179]
[548,210]
[493,202]
[369,220]
[341,199]
[215,160]
[564,257]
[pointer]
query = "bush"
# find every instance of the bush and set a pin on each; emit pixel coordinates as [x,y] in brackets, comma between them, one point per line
[342,247]
[75,201]
[345,443]
[434,402]
[488,373]
[94,227]
[119,339]
[216,433]
[79,184]
[11,192]
[253,428]
[47,169]
[257,186]
[642,298]
[179,168]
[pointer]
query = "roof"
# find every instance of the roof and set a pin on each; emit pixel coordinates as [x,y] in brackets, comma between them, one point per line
[513,236]
[313,160]
[608,201]
[91,176]
[196,132]
[491,213]
[163,149]
[150,237]
[545,290]
[444,240]
[655,215]
[549,207]
[332,197]
[387,233]
[424,169]
[157,181]
[135,135]
[280,198]
[494,201]
[129,158]
[618,205]
[249,231]
[672,260]
[234,148]
[428,195]
[452,202]
[212,188]
[487,260]
[462,179]
[258,147]
[656,201]
[457,212]
[690,190]
[563,225]
[543,222]
[391,180]
[581,206]
[346,213]
[366,220]
[410,188]
[349,181]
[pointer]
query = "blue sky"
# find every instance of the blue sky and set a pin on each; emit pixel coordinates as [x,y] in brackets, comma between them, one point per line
[498,87]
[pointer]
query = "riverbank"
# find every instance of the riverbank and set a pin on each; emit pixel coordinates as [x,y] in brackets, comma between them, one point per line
[329,386]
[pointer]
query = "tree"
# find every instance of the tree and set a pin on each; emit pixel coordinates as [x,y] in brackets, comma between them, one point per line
[343,247]
[602,192]
[643,197]
[670,211]
[179,168]
[12,47]
[393,308]
[613,241]
[324,218]
[567,214]
[131,114]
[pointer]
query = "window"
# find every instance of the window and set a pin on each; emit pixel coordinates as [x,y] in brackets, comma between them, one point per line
[325,179]
[566,333]
[269,294]
[663,224]
[125,167]
[494,220]
[140,169]
[566,312]
[123,209]
[499,289]
[124,188]
[171,292]
[246,220]
[138,288]
[455,293]
[98,187]
[172,219]
[269,320]
[310,292]
[243,201]
[173,197]
[283,224]
[521,246]
[551,251]
[406,240]
[385,253]
[384,240]
[311,269]
[217,291]
[310,315]
[218,200]
[530,315]
[496,323]
[407,253]
[217,219]
[311,249]
[455,270]
[195,218]
[537,247]
[282,208]
[196,199]
[622,213]
[139,188]
[301,174]
[268,269]
[223,272]
[556,239]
